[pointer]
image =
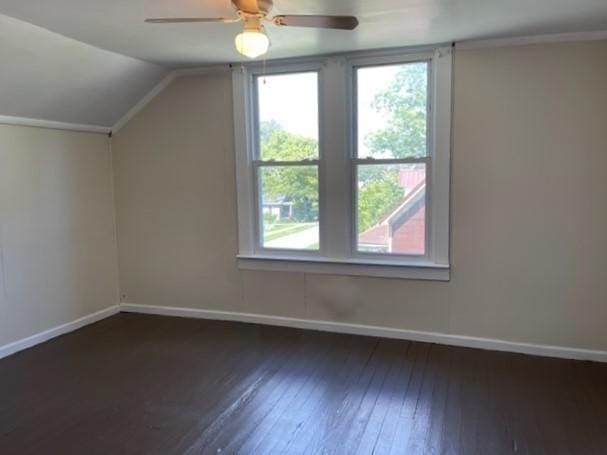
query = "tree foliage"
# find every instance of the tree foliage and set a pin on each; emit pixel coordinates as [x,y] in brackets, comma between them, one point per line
[298,185]
[404,103]
[280,145]
[376,197]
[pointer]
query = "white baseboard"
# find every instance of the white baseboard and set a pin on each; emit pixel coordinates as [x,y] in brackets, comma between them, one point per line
[20,345]
[383,332]
[325,326]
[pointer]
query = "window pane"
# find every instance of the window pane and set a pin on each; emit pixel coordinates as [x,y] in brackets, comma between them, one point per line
[392,104]
[391,208]
[289,204]
[288,116]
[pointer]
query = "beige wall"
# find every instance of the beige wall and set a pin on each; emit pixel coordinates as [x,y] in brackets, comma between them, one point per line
[529,213]
[57,231]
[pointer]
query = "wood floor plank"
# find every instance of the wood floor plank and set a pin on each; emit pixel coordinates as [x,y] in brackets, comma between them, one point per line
[384,440]
[344,428]
[433,378]
[387,401]
[261,405]
[135,384]
[406,419]
[286,417]
[324,406]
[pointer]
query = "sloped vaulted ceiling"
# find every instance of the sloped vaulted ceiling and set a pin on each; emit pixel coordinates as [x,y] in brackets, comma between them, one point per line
[44,75]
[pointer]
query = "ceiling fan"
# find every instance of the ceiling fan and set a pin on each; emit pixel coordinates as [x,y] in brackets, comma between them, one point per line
[253,41]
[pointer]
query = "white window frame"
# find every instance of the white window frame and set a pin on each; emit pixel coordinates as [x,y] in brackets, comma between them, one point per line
[258,163]
[336,165]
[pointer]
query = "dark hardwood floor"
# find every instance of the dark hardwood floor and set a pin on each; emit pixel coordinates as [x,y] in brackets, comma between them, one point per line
[135,384]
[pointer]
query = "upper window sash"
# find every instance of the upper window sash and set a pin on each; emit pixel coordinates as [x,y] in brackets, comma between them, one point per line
[265,83]
[369,64]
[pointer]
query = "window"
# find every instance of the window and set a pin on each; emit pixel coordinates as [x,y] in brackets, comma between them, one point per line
[343,164]
[287,161]
[391,159]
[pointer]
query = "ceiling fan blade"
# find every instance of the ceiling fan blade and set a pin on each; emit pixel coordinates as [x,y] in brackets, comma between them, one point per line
[184,20]
[337,22]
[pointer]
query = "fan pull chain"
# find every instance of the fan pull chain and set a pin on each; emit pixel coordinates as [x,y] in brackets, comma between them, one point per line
[264,70]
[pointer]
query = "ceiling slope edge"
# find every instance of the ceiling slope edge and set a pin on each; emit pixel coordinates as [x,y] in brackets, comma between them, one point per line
[161,86]
[52,81]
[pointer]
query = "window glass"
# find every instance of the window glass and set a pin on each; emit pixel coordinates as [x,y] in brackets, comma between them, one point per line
[288,116]
[392,111]
[391,208]
[289,206]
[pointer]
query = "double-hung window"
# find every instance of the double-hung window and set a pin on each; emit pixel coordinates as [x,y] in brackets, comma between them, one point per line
[286,161]
[343,164]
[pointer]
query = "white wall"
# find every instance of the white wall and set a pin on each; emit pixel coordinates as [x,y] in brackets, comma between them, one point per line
[528,208]
[57,231]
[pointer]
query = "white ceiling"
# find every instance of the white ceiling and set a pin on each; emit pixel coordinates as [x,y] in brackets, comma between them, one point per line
[88,61]
[117,25]
[47,76]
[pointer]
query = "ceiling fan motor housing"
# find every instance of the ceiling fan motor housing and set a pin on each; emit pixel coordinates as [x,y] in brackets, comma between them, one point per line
[253,7]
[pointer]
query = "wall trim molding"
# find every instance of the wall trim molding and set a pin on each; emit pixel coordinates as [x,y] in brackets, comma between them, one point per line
[532,39]
[375,331]
[41,337]
[50,124]
[161,86]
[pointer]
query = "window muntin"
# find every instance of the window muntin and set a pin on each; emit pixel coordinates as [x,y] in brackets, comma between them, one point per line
[390,169]
[287,167]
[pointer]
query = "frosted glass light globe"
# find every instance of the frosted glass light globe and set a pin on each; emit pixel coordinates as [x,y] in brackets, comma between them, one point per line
[252,43]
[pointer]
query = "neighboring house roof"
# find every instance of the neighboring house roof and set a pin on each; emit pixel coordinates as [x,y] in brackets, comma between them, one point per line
[402,228]
[410,178]
[404,207]
[376,235]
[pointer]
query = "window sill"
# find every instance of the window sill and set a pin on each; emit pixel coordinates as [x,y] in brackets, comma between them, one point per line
[350,267]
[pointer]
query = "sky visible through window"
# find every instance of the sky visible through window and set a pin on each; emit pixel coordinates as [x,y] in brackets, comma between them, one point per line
[374,80]
[291,101]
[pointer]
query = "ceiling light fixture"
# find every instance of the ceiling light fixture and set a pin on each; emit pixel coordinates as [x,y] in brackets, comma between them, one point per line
[253,41]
